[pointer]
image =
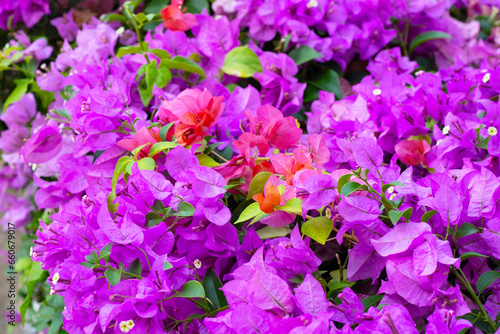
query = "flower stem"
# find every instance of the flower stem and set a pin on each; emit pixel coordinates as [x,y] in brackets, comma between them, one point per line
[467,285]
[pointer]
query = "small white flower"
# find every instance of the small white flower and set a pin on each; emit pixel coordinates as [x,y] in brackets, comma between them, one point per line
[126,325]
[197,264]
[52,291]
[392,196]
[486,78]
[439,142]
[390,190]
[31,251]
[55,278]
[312,4]
[419,73]
[120,31]
[446,129]
[492,131]
[377,91]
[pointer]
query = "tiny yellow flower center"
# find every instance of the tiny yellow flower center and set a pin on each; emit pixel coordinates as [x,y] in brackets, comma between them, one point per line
[492,131]
[377,91]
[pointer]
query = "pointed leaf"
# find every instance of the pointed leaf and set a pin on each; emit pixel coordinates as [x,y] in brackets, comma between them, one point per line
[242,62]
[257,184]
[304,54]
[250,211]
[427,36]
[192,289]
[486,279]
[349,188]
[318,228]
[113,275]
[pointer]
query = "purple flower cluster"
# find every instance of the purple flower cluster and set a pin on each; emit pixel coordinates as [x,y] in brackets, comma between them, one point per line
[189,196]
[27,11]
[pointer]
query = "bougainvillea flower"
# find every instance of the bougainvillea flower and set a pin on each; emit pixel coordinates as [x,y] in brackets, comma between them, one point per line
[44,145]
[143,136]
[412,152]
[194,112]
[176,19]
[269,199]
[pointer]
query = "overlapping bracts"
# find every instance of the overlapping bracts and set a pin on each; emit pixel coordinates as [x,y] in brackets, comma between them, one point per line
[190,199]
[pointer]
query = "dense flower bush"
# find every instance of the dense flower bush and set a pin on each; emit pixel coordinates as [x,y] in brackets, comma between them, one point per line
[256,166]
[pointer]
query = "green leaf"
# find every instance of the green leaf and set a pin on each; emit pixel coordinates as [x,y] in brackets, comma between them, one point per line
[119,168]
[36,274]
[164,131]
[250,211]
[392,184]
[113,276]
[335,286]
[105,252]
[371,300]
[269,232]
[327,81]
[257,184]
[185,64]
[192,289]
[126,50]
[486,279]
[467,255]
[343,180]
[184,209]
[466,229]
[428,215]
[242,62]
[114,17]
[146,164]
[304,54]
[318,228]
[212,285]
[294,205]
[63,113]
[197,6]
[46,97]
[154,77]
[112,207]
[153,219]
[55,324]
[160,53]
[155,6]
[18,92]
[135,267]
[425,37]
[141,17]
[396,215]
[236,213]
[205,160]
[92,257]
[161,146]
[407,213]
[349,188]
[258,218]
[167,265]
